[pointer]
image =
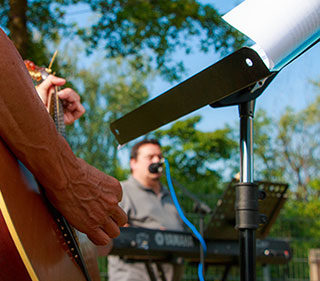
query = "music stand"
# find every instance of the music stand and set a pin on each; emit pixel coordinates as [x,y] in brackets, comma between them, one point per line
[237,79]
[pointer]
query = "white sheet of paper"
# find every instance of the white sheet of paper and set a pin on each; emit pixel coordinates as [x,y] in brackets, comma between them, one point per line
[281,28]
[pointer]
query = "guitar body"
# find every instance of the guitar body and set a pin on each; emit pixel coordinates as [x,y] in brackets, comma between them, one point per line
[32,246]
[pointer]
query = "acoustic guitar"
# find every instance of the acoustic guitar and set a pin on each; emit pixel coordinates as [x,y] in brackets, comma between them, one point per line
[36,242]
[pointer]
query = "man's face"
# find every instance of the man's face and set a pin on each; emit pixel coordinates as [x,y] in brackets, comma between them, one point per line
[147,154]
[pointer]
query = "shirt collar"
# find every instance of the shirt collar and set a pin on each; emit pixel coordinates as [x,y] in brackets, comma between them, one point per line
[163,191]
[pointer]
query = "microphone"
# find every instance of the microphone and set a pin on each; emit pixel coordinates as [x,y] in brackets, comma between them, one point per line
[155,168]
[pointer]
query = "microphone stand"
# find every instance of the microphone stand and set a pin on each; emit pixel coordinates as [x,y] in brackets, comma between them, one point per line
[201,213]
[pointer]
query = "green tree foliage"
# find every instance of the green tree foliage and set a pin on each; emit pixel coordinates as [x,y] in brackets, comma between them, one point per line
[266,162]
[33,23]
[134,28]
[299,145]
[105,97]
[295,217]
[288,150]
[194,156]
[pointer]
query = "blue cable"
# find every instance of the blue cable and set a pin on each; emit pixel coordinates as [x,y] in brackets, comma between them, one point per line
[200,271]
[185,220]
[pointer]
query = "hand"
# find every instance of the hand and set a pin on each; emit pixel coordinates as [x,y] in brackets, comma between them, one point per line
[90,203]
[73,109]
[103,251]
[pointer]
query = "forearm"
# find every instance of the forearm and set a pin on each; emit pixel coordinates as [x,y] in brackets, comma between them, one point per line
[25,125]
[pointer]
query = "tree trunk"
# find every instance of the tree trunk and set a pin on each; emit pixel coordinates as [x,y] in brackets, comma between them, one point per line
[18,25]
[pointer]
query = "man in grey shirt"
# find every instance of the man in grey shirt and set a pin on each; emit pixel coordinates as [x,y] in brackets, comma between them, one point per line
[148,204]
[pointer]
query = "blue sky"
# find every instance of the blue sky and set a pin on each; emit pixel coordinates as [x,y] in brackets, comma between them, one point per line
[291,87]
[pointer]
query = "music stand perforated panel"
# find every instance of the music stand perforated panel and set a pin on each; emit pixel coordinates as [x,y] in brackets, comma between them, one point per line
[222,222]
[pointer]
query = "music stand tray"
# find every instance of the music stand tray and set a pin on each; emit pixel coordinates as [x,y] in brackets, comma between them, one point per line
[226,81]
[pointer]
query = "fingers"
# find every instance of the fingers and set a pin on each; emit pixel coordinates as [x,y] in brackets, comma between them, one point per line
[111,228]
[47,86]
[69,96]
[52,80]
[99,237]
[73,109]
[103,235]
[119,216]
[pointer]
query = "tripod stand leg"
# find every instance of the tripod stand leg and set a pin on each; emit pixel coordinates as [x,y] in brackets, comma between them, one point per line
[150,271]
[161,272]
[226,272]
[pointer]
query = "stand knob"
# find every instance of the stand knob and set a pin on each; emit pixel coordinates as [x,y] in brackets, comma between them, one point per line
[263,218]
[262,195]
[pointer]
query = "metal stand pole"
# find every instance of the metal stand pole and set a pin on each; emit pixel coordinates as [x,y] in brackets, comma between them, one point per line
[266,272]
[247,196]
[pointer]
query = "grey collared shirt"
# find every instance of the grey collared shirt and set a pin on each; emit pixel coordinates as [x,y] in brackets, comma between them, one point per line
[146,209]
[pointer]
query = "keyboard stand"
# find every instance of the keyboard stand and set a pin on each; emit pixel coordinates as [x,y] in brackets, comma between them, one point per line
[151,271]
